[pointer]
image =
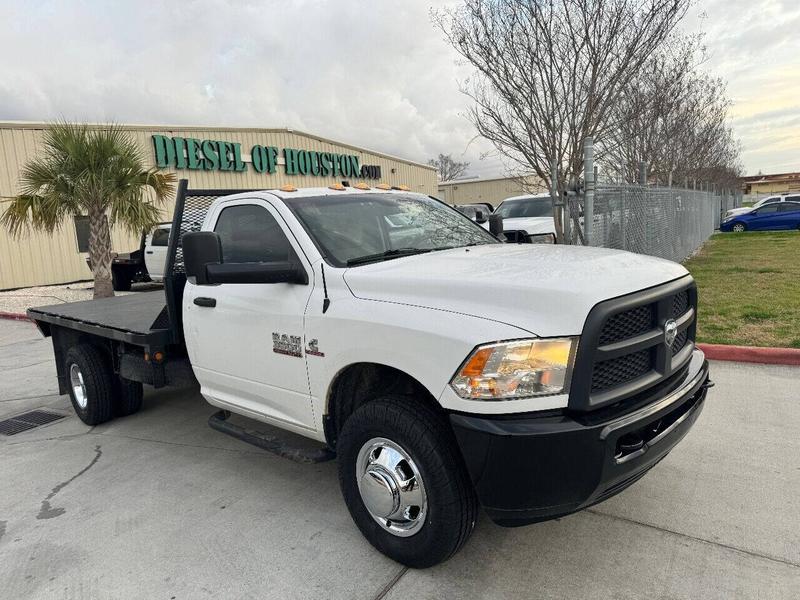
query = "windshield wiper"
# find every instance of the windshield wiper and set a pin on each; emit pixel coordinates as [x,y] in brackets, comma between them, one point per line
[395,253]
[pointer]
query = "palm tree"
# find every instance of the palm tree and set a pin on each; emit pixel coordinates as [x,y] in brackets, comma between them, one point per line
[94,171]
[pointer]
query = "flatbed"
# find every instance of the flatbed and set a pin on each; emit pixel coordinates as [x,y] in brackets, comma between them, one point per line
[140,334]
[138,318]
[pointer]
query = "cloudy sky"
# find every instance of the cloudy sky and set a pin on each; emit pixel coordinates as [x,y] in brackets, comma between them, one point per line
[376,74]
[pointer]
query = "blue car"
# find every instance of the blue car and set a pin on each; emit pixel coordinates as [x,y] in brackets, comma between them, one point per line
[769,217]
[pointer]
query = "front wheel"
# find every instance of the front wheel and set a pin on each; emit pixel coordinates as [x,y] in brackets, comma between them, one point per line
[404,482]
[739,227]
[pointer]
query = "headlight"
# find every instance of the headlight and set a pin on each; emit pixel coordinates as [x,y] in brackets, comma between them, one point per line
[517,369]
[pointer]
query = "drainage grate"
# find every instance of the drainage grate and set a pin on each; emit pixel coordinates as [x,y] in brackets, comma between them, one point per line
[27,421]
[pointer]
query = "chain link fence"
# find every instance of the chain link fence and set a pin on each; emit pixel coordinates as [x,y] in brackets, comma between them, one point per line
[666,222]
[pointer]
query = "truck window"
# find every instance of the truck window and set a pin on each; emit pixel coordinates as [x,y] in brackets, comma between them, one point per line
[528,207]
[347,227]
[160,237]
[249,233]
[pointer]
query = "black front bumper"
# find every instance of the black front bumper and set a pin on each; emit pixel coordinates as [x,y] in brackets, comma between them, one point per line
[529,468]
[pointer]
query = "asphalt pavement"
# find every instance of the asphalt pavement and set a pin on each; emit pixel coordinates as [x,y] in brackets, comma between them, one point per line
[158,505]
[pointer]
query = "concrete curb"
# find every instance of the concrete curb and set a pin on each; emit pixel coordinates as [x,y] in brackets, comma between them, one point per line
[752,354]
[13,316]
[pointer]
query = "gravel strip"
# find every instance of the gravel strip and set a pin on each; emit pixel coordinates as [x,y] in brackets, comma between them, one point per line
[18,301]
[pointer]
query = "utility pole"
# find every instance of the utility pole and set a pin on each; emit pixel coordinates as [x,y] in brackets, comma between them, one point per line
[561,206]
[589,184]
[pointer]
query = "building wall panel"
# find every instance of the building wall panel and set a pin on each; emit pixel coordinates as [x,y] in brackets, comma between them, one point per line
[493,191]
[43,259]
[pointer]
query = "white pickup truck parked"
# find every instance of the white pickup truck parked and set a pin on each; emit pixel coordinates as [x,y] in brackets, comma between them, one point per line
[444,370]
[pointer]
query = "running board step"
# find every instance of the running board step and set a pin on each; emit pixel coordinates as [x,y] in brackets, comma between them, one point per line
[270,443]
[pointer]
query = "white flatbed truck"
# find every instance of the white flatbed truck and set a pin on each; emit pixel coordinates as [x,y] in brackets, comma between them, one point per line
[445,371]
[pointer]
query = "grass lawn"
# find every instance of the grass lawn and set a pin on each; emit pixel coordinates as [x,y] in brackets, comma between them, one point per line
[749,289]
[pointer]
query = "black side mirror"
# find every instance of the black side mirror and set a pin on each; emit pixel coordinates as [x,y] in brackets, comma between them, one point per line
[480,217]
[495,224]
[200,249]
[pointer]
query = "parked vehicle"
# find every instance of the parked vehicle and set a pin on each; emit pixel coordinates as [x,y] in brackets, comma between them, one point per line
[527,218]
[764,201]
[773,217]
[155,251]
[444,370]
[141,265]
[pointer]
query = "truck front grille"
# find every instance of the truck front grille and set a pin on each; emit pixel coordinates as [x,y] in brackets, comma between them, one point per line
[611,373]
[623,350]
[627,324]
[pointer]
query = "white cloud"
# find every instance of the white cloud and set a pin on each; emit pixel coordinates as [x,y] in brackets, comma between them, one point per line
[376,74]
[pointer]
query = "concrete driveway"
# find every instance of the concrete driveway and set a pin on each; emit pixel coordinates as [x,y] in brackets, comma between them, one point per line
[158,505]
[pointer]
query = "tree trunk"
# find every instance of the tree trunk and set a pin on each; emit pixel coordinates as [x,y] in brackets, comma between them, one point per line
[100,253]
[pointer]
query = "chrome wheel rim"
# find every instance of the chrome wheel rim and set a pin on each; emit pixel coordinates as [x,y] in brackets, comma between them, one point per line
[391,487]
[738,227]
[78,387]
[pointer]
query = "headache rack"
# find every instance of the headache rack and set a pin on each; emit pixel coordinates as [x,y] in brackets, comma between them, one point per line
[191,206]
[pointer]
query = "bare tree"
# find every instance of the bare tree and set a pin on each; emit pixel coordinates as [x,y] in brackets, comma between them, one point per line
[448,168]
[549,72]
[674,117]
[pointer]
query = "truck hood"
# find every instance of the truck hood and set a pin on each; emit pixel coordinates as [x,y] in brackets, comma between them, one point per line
[544,289]
[530,225]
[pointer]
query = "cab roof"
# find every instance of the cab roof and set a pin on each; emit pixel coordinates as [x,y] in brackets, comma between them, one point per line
[327,191]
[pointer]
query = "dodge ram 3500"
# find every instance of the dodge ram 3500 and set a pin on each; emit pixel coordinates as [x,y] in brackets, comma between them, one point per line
[445,371]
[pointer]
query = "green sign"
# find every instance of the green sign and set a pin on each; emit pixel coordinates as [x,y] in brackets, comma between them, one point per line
[217,155]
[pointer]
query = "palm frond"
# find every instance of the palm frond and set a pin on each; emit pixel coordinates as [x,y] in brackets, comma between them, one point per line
[81,169]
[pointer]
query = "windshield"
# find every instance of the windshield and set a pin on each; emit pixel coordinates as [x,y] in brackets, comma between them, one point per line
[370,227]
[527,207]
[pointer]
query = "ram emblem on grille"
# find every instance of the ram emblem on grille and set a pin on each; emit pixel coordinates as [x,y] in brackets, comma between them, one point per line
[670,332]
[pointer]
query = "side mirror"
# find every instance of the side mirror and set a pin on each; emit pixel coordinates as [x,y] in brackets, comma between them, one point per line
[496,224]
[480,218]
[202,259]
[200,249]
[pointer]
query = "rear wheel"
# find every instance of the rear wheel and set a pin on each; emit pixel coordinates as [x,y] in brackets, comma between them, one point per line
[739,227]
[127,397]
[90,381]
[404,482]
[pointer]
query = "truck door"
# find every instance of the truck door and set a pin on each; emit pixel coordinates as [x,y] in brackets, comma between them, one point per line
[247,349]
[155,252]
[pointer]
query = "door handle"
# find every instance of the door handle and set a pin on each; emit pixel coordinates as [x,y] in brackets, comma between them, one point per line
[149,252]
[204,301]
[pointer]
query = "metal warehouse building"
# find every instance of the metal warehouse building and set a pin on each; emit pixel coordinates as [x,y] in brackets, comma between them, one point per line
[493,191]
[209,157]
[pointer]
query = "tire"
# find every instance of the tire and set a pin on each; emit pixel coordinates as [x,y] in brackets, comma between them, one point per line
[739,227]
[121,282]
[446,517]
[127,397]
[91,383]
